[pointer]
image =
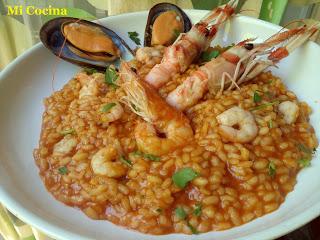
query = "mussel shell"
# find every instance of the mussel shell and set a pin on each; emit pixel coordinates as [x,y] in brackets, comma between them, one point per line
[53,39]
[155,11]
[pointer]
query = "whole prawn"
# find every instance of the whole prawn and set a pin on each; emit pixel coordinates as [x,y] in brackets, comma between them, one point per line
[237,65]
[159,116]
[188,47]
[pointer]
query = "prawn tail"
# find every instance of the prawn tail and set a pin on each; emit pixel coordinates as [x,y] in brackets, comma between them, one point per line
[136,96]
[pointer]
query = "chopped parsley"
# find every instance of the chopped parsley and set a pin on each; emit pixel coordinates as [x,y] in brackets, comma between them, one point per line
[304,162]
[63,170]
[90,71]
[107,107]
[304,148]
[180,213]
[68,131]
[111,77]
[197,210]
[208,55]
[192,228]
[307,153]
[270,124]
[230,46]
[183,176]
[147,156]
[271,169]
[256,97]
[262,106]
[126,161]
[134,36]
[176,33]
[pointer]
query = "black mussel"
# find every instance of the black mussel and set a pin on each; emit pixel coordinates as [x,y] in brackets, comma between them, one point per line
[83,43]
[165,22]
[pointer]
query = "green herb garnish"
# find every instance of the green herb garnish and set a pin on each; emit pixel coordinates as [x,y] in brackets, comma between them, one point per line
[304,162]
[159,210]
[272,169]
[68,131]
[63,170]
[208,55]
[90,71]
[197,210]
[134,37]
[106,108]
[176,33]
[111,77]
[304,148]
[270,124]
[262,106]
[183,176]
[256,97]
[126,161]
[147,156]
[230,46]
[192,228]
[180,213]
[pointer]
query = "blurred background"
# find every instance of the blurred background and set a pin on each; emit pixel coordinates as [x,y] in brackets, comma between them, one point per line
[18,33]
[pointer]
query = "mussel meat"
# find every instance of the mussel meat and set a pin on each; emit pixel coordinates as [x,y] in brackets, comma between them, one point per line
[165,22]
[83,43]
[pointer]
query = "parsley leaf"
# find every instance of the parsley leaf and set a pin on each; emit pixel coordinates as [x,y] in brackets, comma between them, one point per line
[192,228]
[63,170]
[126,161]
[272,169]
[111,77]
[304,148]
[197,210]
[90,71]
[270,124]
[180,213]
[147,156]
[183,176]
[68,131]
[304,162]
[176,33]
[208,55]
[262,106]
[230,46]
[106,108]
[134,37]
[256,97]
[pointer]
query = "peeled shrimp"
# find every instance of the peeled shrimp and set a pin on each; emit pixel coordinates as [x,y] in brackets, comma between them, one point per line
[104,163]
[89,89]
[290,111]
[65,146]
[158,115]
[178,57]
[246,129]
[150,55]
[237,65]
[113,114]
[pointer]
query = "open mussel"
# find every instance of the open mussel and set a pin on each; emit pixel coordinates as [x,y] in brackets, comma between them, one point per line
[83,43]
[165,22]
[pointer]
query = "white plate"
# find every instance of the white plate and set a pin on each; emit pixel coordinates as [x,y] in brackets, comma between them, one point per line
[27,81]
